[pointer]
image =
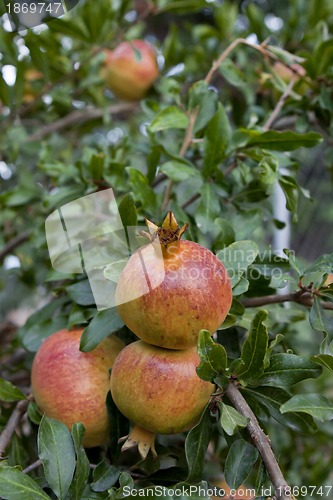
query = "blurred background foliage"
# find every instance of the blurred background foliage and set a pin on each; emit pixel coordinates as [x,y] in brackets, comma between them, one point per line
[64,135]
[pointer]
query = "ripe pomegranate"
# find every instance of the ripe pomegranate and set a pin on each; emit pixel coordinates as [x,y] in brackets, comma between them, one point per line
[171,289]
[71,386]
[130,69]
[159,390]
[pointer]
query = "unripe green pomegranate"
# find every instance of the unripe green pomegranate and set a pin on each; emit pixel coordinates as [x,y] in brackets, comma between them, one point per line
[171,289]
[71,386]
[130,69]
[159,390]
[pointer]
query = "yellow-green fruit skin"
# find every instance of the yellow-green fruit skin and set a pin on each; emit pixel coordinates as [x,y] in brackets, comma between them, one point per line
[175,297]
[71,386]
[159,389]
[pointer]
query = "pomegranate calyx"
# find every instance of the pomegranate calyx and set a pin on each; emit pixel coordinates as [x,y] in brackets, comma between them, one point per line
[142,439]
[168,233]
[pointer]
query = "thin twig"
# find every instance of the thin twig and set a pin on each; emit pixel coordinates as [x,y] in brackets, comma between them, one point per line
[32,467]
[261,441]
[280,104]
[11,425]
[304,299]
[191,200]
[79,117]
[14,243]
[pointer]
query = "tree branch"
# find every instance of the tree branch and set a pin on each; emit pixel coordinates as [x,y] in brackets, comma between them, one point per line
[33,466]
[261,441]
[79,117]
[14,243]
[305,299]
[11,425]
[280,104]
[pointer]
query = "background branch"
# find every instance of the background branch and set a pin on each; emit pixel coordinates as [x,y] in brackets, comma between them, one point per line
[79,117]
[11,425]
[261,441]
[14,243]
[305,299]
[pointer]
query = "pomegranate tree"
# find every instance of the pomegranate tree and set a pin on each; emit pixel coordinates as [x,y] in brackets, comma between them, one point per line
[159,390]
[71,386]
[171,289]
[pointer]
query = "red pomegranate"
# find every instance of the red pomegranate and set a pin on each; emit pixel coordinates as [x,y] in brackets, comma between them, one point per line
[71,386]
[170,289]
[159,390]
[130,69]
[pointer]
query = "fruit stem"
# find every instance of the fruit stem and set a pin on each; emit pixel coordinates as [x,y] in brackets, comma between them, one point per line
[142,439]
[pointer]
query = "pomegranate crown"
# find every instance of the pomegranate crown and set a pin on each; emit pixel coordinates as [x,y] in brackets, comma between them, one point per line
[168,233]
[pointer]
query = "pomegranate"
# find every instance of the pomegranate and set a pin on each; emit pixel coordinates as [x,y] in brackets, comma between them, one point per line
[71,386]
[159,390]
[171,289]
[130,69]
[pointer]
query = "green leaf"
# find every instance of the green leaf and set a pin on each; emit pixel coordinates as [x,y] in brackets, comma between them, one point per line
[288,369]
[127,210]
[178,171]
[239,462]
[56,451]
[170,117]
[291,191]
[81,293]
[281,141]
[237,257]
[119,427]
[324,264]
[216,140]
[141,189]
[251,365]
[103,324]
[319,320]
[325,360]
[15,485]
[315,405]
[196,444]
[213,357]
[230,419]
[272,398]
[208,209]
[240,287]
[10,393]
[34,413]
[105,476]
[82,469]
[294,263]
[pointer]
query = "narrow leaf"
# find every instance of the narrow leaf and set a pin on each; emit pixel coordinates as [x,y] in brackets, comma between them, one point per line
[196,445]
[239,462]
[127,210]
[315,405]
[9,393]
[325,360]
[171,117]
[288,369]
[103,324]
[105,476]
[254,350]
[272,398]
[213,357]
[216,141]
[56,451]
[15,485]
[231,419]
[82,469]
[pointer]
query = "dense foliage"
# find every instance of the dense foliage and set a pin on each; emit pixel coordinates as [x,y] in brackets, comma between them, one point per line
[211,141]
